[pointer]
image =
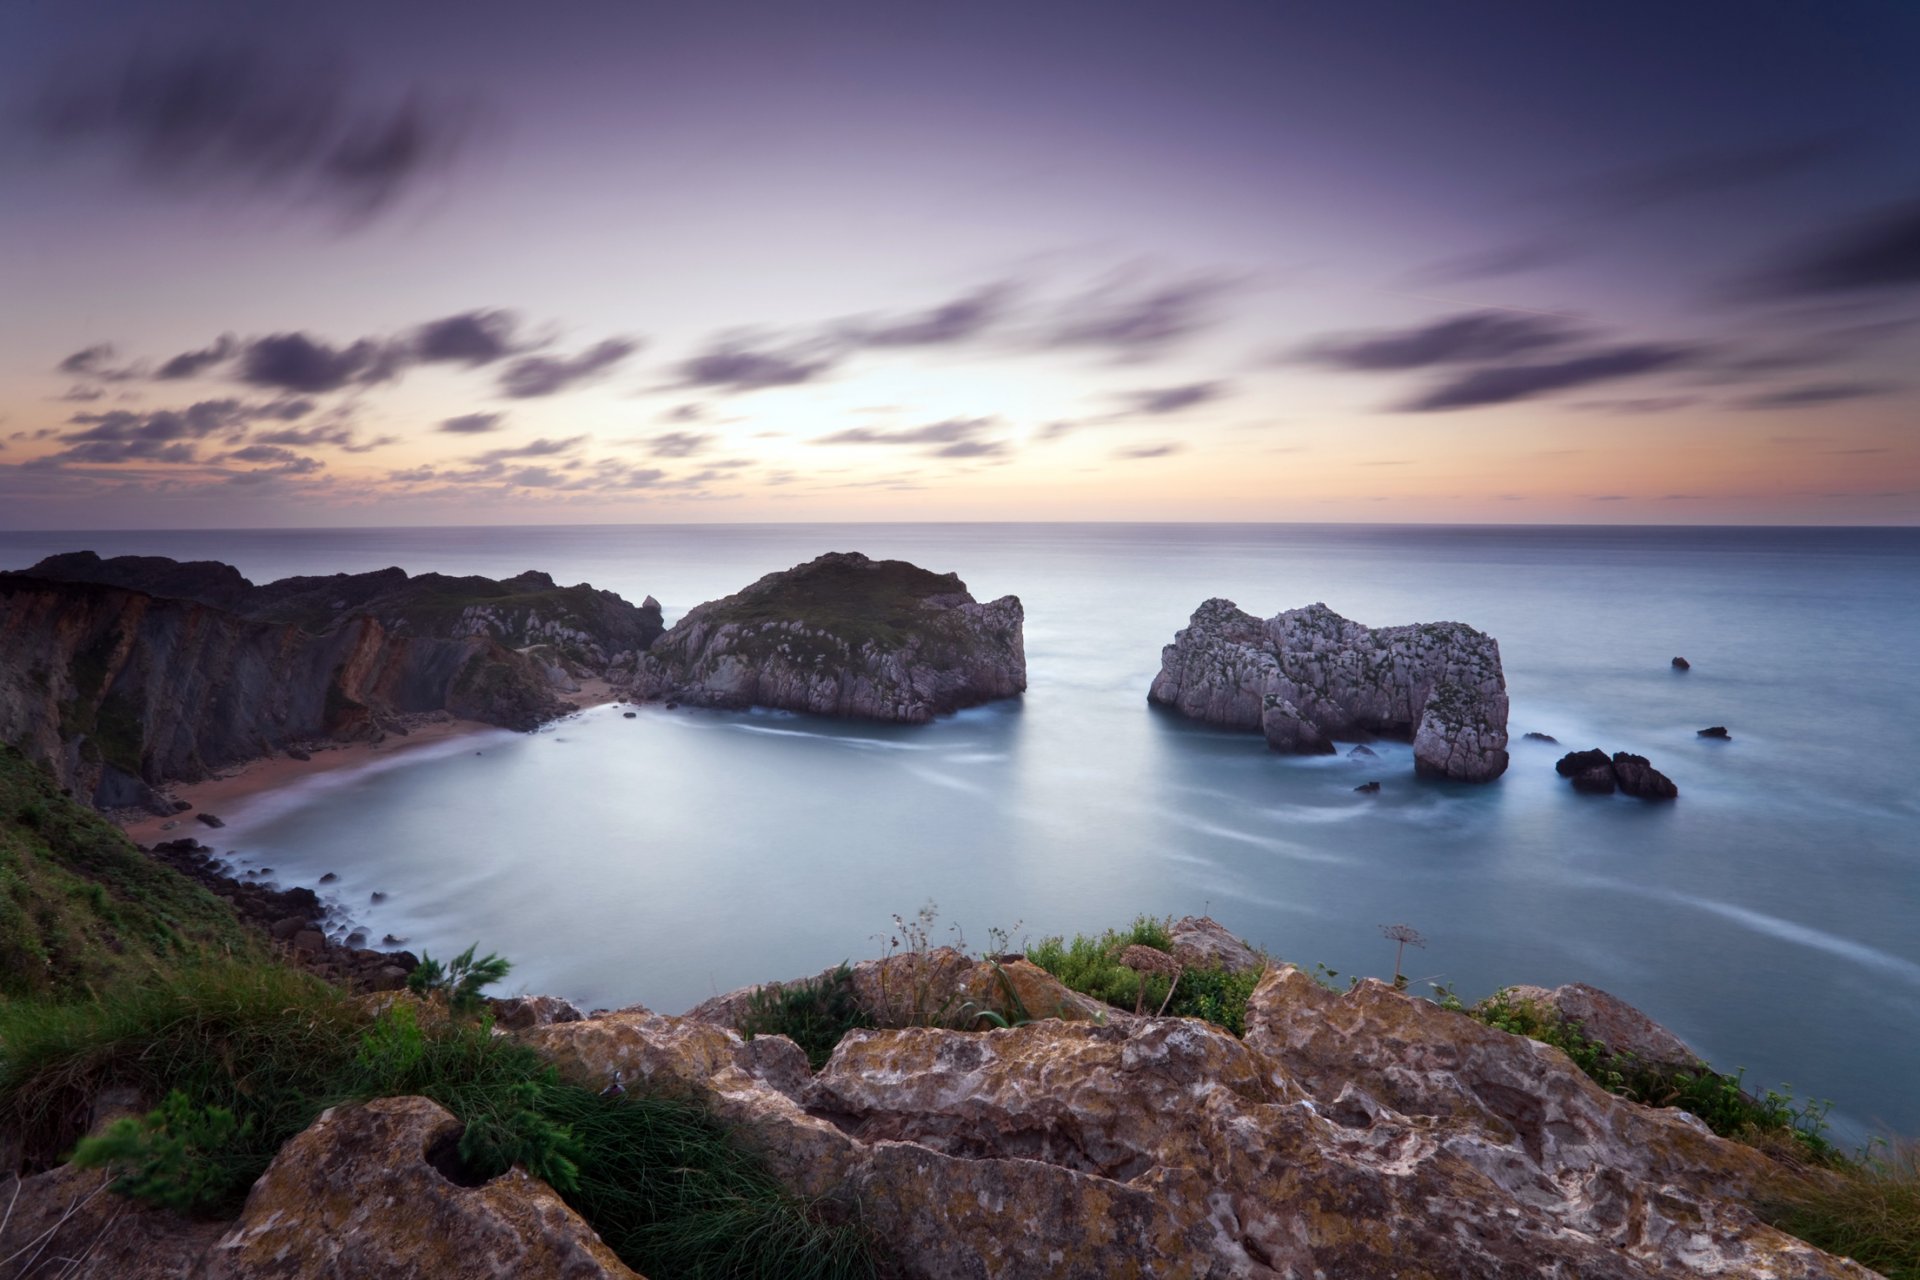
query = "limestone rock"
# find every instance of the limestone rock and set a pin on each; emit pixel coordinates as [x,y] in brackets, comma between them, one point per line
[50,1220]
[1308,676]
[1611,1022]
[1201,942]
[517,1013]
[843,635]
[359,1193]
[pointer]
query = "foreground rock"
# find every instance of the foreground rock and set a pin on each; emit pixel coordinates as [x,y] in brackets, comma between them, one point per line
[121,675]
[366,1191]
[1350,1134]
[843,635]
[1610,1022]
[1308,676]
[1597,773]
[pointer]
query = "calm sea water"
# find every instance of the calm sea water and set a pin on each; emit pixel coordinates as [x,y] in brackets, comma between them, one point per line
[1771,916]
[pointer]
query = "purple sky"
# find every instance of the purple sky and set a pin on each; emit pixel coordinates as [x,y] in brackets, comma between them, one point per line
[479,262]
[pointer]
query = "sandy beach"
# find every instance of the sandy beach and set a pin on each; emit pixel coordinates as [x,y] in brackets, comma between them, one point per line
[235,785]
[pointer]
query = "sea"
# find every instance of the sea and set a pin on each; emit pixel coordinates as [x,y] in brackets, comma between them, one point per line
[1770,916]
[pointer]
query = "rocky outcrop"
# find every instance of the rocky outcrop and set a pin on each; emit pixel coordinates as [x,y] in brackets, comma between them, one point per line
[376,1190]
[1610,1022]
[118,689]
[843,635]
[1597,773]
[1308,676]
[1365,1133]
[1201,942]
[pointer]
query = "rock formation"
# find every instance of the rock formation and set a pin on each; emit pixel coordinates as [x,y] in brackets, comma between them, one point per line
[118,687]
[1308,676]
[843,635]
[1596,772]
[1610,1022]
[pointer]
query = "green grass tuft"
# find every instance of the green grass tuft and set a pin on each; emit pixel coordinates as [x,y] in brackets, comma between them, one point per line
[814,1014]
[1867,1210]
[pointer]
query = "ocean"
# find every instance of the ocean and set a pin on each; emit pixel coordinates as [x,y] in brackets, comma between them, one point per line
[1770,916]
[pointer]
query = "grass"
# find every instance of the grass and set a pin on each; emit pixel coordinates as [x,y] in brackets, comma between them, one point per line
[879,603]
[814,1014]
[1091,965]
[1868,1210]
[247,1054]
[81,909]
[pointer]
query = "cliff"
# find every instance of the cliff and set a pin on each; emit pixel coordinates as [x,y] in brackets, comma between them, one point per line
[118,687]
[843,635]
[1308,676]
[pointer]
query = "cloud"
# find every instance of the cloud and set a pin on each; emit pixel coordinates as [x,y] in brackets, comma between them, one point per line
[112,452]
[84,395]
[678,444]
[1136,320]
[1498,263]
[96,362]
[472,338]
[1164,400]
[1878,252]
[545,375]
[951,431]
[1469,336]
[189,364]
[335,434]
[975,449]
[1702,173]
[684,413]
[1634,406]
[234,118]
[296,362]
[1504,384]
[194,422]
[737,365]
[259,453]
[1141,451]
[1816,394]
[541,448]
[285,464]
[472,424]
[943,325]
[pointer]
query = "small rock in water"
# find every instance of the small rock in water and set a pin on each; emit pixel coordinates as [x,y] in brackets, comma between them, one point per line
[376,896]
[181,806]
[1717,731]
[1540,737]
[1681,664]
[628,715]
[673,706]
[357,939]
[328,878]
[1362,752]
[391,941]
[210,819]
[1368,788]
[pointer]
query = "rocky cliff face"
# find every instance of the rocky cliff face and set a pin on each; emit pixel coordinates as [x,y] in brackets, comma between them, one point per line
[1307,676]
[843,635]
[118,689]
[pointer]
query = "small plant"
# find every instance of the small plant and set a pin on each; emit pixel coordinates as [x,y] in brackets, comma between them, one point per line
[1868,1210]
[460,980]
[1404,936]
[814,1014]
[181,1156]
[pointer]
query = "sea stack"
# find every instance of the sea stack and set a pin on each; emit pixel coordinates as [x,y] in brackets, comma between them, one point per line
[843,635]
[1308,676]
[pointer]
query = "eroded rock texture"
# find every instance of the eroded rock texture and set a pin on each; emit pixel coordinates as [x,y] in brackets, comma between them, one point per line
[1308,676]
[1350,1134]
[843,635]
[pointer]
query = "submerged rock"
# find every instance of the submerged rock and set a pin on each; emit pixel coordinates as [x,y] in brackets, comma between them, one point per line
[1368,788]
[1717,731]
[1308,676]
[1597,772]
[1681,664]
[842,635]
[1540,737]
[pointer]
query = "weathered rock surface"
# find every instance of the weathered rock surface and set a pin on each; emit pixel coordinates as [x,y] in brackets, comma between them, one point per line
[362,1193]
[1308,676]
[1201,942]
[1357,1134]
[843,635]
[123,674]
[1610,1022]
[1596,772]
[65,1225]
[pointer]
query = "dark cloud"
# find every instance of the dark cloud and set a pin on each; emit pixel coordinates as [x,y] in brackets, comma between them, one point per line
[545,375]
[1816,394]
[107,451]
[472,338]
[1163,400]
[975,449]
[472,424]
[1137,320]
[1498,263]
[335,434]
[949,323]
[951,431]
[1875,253]
[1504,384]
[296,362]
[96,362]
[235,118]
[737,365]
[191,363]
[541,448]
[195,422]
[1638,405]
[684,413]
[1139,451]
[260,453]
[1470,336]
[678,444]
[285,464]
[84,395]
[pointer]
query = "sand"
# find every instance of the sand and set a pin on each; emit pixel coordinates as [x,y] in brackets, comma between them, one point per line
[256,777]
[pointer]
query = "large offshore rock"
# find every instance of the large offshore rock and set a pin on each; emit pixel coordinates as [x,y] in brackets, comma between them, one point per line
[362,1193]
[117,686]
[1362,1134]
[843,635]
[1308,676]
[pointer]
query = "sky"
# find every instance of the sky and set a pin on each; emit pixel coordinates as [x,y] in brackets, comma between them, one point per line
[413,262]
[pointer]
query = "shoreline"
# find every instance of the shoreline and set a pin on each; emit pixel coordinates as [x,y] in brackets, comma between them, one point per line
[265,774]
